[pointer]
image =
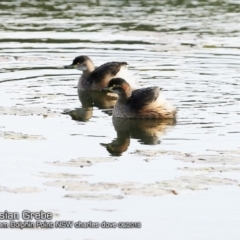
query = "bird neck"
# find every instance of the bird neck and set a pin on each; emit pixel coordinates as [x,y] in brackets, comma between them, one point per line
[89,67]
[123,97]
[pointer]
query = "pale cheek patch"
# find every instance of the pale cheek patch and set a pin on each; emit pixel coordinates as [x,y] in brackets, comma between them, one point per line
[81,67]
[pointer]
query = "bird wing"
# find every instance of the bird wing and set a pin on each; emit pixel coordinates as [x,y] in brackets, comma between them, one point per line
[107,69]
[142,97]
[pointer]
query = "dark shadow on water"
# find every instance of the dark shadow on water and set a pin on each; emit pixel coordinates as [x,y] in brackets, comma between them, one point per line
[90,99]
[101,100]
[147,131]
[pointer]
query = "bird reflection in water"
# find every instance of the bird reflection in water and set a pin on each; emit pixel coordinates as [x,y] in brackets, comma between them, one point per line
[147,131]
[90,99]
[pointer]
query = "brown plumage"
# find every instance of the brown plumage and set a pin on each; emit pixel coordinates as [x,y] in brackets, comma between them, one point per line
[139,103]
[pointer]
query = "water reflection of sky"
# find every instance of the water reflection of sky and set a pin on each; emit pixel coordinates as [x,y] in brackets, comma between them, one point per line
[55,144]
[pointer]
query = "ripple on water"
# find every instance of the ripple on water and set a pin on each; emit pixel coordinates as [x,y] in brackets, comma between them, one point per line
[189,48]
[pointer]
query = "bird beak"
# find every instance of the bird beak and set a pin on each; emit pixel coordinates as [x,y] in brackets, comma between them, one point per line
[69,66]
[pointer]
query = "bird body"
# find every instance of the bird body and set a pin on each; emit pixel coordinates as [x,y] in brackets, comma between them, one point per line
[97,78]
[139,103]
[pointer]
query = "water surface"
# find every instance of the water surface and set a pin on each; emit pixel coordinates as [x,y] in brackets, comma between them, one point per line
[189,48]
